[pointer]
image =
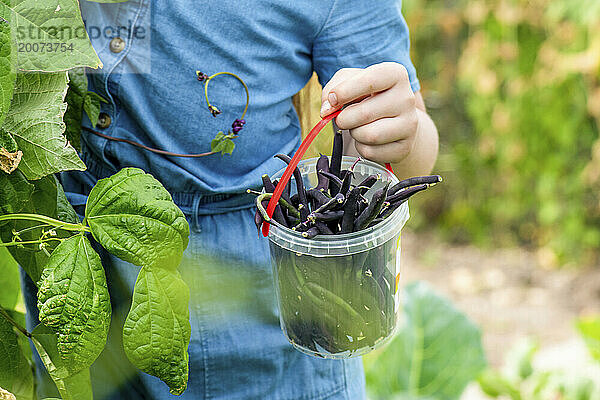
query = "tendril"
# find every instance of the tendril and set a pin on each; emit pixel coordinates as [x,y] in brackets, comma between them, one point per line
[58,224]
[223,142]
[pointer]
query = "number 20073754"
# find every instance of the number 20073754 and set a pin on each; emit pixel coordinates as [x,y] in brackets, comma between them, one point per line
[44,47]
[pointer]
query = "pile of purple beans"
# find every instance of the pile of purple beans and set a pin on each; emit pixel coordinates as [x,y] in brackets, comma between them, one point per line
[335,205]
[343,305]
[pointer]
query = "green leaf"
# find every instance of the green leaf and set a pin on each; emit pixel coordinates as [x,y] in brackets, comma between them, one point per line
[10,155]
[222,145]
[157,331]
[229,147]
[38,23]
[91,106]
[78,81]
[73,300]
[589,328]
[133,216]
[436,352]
[78,85]
[15,373]
[64,210]
[9,280]
[7,69]
[34,120]
[214,145]
[19,318]
[79,99]
[17,195]
[7,141]
[72,386]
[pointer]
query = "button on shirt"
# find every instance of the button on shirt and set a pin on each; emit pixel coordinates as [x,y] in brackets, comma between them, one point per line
[151,51]
[117,45]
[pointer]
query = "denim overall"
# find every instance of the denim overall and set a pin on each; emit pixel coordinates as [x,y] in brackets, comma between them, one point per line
[237,350]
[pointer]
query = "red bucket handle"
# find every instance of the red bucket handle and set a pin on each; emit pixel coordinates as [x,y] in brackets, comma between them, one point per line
[287,174]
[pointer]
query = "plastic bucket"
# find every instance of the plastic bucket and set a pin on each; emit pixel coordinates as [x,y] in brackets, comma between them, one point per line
[338,294]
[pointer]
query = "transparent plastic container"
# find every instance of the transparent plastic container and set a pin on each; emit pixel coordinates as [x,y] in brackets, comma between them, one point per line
[338,294]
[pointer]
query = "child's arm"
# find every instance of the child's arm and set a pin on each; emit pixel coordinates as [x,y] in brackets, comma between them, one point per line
[387,121]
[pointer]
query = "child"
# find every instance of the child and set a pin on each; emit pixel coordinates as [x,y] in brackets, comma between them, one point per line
[360,49]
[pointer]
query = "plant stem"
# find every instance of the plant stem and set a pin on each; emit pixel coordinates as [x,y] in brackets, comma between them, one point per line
[236,77]
[29,242]
[46,220]
[14,323]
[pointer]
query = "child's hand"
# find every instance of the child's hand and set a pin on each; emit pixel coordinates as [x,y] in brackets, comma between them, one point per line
[381,111]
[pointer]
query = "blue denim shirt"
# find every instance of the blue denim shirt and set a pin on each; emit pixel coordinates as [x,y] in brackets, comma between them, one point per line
[237,350]
[274,46]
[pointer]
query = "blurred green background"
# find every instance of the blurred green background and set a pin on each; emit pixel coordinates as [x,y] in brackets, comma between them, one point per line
[513,86]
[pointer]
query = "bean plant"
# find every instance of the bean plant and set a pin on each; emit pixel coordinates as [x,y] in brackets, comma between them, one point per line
[130,214]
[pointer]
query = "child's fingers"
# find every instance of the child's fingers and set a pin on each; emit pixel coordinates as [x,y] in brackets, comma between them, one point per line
[340,76]
[374,79]
[385,130]
[390,152]
[389,103]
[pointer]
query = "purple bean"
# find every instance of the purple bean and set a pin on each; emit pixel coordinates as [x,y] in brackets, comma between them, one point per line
[391,208]
[322,165]
[374,208]
[362,204]
[286,190]
[336,155]
[332,203]
[303,226]
[297,177]
[294,200]
[406,193]
[333,181]
[317,196]
[368,182]
[417,180]
[311,233]
[304,212]
[278,214]
[350,208]
[346,182]
[323,228]
[258,220]
[327,216]
[375,221]
[285,196]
